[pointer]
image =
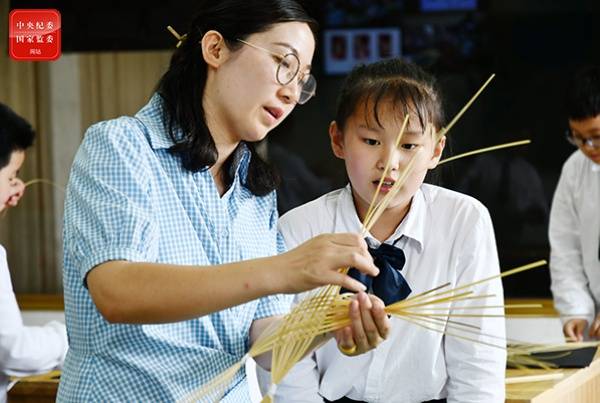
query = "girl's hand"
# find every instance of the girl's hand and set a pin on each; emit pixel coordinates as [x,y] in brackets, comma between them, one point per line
[370,326]
[316,263]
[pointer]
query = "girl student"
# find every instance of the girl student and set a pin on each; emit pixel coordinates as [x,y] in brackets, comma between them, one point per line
[430,236]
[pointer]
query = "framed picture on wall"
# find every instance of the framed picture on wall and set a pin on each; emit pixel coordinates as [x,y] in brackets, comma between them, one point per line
[345,48]
[448,5]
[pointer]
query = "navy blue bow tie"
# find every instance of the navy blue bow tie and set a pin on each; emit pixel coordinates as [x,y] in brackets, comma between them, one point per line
[389,285]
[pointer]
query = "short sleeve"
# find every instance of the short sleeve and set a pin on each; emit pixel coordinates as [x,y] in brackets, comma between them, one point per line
[108,209]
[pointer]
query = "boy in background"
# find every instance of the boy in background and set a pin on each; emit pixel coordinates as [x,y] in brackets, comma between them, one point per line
[24,350]
[575,216]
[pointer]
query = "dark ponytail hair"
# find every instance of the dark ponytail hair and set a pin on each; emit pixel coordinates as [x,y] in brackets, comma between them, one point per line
[16,134]
[406,85]
[583,94]
[182,86]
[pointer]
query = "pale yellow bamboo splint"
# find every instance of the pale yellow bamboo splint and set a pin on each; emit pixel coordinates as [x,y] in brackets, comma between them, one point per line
[444,131]
[36,181]
[485,150]
[46,182]
[383,176]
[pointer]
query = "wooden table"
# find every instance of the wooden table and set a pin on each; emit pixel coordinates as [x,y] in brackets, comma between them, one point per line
[577,386]
[42,388]
[35,389]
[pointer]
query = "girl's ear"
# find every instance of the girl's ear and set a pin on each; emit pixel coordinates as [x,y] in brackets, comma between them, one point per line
[214,50]
[438,148]
[337,140]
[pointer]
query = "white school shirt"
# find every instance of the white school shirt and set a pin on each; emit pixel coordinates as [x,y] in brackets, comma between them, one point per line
[25,350]
[574,239]
[446,237]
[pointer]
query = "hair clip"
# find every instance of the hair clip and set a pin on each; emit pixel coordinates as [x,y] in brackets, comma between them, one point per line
[180,38]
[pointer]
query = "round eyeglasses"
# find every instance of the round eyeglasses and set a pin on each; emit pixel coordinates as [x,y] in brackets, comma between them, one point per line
[593,142]
[288,67]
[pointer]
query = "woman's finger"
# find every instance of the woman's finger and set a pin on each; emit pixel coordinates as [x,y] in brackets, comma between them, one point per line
[348,239]
[352,257]
[343,280]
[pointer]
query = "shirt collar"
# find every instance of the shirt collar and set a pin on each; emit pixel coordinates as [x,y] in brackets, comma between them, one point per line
[587,161]
[239,165]
[153,114]
[412,227]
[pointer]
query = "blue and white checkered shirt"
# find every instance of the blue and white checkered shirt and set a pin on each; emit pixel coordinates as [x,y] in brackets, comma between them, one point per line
[128,198]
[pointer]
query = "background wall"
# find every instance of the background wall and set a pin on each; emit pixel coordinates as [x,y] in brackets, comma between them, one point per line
[113,55]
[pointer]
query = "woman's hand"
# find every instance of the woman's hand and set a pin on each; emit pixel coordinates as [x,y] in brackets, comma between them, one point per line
[317,261]
[370,325]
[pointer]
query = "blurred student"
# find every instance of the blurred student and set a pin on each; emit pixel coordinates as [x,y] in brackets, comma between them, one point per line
[24,350]
[575,215]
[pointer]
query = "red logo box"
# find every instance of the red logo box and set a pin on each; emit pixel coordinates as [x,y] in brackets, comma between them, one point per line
[34,35]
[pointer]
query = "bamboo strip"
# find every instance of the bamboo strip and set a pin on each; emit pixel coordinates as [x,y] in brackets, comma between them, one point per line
[535,378]
[446,129]
[485,150]
[383,176]
[45,181]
